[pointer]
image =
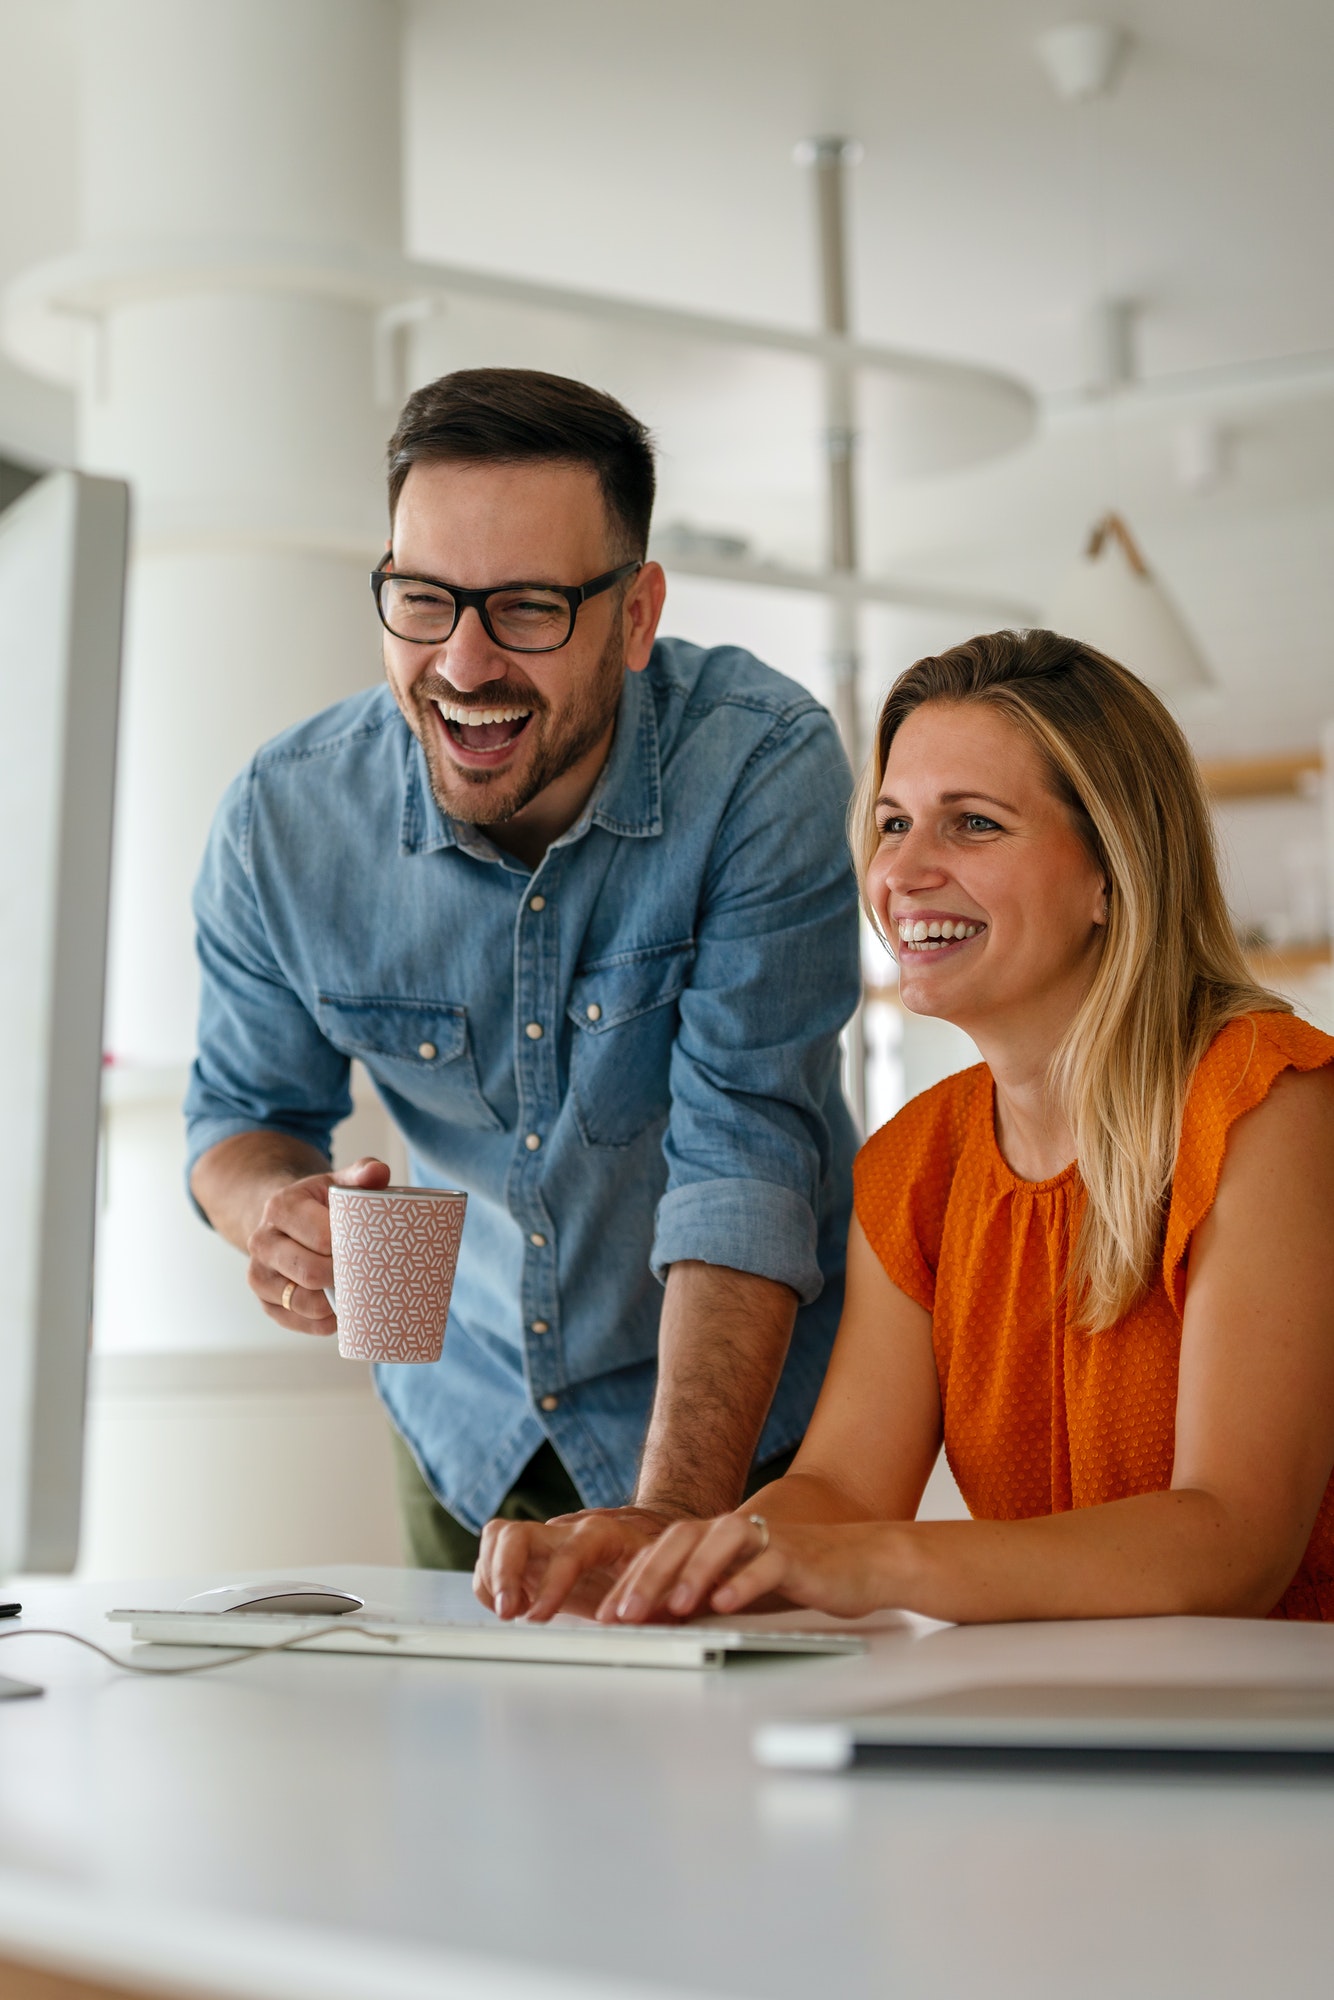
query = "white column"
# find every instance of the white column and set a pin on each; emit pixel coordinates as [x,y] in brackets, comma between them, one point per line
[262,131]
[240,228]
[235,159]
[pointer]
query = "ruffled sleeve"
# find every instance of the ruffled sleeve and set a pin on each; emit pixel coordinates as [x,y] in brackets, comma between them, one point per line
[902,1178]
[1234,1075]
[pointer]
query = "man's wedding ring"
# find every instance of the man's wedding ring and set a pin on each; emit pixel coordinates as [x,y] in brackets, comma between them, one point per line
[288,1290]
[758,1521]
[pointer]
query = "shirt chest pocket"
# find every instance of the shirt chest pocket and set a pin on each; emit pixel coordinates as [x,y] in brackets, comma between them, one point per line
[418,1049]
[625,1012]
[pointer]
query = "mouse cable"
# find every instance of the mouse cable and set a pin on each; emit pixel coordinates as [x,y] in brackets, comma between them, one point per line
[197,1666]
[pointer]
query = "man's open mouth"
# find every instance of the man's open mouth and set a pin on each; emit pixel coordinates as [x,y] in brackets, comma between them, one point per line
[482,735]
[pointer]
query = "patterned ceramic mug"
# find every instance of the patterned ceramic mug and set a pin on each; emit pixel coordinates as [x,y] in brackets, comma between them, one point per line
[394,1253]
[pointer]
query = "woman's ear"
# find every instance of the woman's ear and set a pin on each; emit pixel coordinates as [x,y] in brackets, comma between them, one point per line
[1102,907]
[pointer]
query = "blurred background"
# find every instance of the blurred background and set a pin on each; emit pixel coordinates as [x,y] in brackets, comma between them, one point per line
[913,292]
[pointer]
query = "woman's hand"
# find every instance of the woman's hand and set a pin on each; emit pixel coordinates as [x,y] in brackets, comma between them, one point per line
[724,1565]
[569,1563]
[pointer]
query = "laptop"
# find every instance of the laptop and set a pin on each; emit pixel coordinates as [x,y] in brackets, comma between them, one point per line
[1112,1721]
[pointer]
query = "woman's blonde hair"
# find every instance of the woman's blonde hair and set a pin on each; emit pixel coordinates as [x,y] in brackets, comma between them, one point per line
[1171,971]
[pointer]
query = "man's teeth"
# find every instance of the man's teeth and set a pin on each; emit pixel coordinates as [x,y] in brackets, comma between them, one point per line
[476,718]
[924,935]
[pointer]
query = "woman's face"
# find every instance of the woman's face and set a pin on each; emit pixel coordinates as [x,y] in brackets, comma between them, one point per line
[994,906]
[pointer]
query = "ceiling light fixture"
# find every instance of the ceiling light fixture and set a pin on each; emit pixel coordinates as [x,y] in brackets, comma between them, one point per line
[1112,601]
[1201,454]
[1082,58]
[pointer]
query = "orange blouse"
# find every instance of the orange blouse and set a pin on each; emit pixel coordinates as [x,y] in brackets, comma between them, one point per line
[1041,1417]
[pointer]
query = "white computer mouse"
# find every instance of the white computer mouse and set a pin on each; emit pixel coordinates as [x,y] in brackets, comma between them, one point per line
[300,1600]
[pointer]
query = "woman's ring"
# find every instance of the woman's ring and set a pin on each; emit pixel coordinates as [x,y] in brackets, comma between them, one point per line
[288,1290]
[758,1521]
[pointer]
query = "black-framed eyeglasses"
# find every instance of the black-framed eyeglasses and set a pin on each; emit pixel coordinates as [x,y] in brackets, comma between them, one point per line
[521,617]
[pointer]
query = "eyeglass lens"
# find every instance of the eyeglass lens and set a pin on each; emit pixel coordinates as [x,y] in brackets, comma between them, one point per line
[526,620]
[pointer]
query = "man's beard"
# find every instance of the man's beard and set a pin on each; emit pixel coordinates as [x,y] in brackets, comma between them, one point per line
[485,798]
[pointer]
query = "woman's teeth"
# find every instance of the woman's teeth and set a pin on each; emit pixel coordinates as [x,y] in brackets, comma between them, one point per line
[924,935]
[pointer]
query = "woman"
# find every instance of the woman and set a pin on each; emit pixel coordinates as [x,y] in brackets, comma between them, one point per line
[1094,1266]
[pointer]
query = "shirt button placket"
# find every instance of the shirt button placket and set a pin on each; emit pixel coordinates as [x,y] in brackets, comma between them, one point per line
[535,1074]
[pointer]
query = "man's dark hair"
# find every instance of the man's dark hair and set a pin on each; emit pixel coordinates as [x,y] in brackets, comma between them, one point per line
[506,416]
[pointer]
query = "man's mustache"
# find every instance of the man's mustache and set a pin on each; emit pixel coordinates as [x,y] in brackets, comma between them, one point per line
[495,694]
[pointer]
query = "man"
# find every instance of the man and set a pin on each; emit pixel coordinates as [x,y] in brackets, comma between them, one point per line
[581,904]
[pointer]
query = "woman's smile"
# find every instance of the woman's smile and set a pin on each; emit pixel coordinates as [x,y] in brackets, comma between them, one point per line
[928,933]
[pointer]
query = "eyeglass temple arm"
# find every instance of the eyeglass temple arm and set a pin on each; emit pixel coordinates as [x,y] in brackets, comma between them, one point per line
[583,591]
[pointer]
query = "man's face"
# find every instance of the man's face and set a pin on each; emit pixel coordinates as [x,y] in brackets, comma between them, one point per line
[486,525]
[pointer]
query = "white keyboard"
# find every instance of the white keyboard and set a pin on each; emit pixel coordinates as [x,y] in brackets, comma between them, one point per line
[564,1641]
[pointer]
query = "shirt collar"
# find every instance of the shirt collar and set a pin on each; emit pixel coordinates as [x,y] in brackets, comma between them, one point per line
[627,799]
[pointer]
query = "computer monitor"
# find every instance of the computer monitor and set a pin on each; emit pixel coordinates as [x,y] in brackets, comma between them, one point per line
[62,584]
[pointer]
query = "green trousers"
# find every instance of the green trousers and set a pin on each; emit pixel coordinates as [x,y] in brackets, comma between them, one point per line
[433,1539]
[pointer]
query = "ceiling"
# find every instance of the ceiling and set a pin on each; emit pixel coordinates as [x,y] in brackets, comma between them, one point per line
[645,148]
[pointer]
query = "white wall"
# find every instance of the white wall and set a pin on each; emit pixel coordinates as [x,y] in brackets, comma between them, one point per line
[216,1440]
[201,1465]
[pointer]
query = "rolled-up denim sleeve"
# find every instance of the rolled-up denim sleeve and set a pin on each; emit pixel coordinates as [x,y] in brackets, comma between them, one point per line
[774,979]
[262,1062]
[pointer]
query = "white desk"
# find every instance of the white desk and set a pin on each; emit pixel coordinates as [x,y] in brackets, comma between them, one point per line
[391,1829]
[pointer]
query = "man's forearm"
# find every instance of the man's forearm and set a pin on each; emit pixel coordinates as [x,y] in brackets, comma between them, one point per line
[233,1180]
[723,1338]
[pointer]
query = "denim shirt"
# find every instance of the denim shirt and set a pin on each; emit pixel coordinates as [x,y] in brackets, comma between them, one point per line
[688,951]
